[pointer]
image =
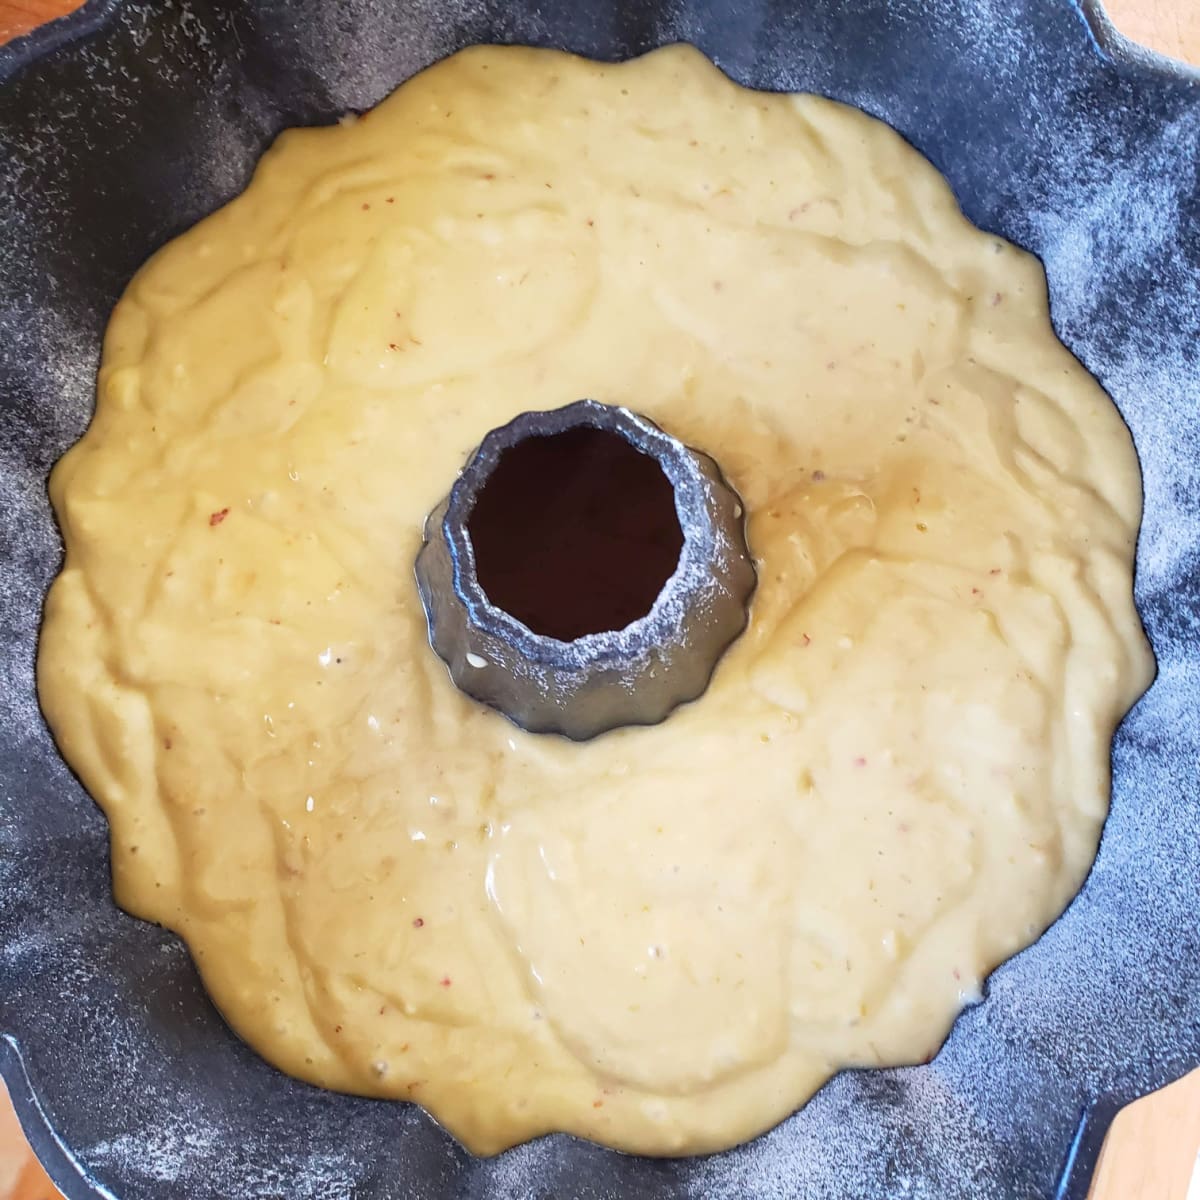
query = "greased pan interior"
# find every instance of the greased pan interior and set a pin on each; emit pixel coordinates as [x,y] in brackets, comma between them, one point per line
[122,125]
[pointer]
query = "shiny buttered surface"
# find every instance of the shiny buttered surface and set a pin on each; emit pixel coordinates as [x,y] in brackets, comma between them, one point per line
[667,938]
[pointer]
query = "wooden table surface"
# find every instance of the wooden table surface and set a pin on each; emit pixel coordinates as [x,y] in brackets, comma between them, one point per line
[1153,1149]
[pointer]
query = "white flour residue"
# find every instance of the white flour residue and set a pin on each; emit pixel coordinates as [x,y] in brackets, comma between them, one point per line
[1092,166]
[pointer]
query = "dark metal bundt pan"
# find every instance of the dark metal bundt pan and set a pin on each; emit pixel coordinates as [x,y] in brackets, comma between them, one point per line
[631,676]
[123,125]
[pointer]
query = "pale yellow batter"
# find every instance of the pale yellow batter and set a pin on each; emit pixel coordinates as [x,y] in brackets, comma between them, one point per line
[667,938]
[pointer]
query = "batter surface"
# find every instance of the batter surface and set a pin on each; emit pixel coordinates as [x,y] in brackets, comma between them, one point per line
[667,938]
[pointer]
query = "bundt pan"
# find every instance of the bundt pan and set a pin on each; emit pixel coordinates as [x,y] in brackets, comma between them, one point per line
[124,124]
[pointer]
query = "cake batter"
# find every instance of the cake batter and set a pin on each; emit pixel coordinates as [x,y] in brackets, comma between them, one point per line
[664,939]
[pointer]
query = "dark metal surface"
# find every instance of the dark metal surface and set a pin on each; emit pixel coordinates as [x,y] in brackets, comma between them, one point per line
[631,676]
[120,127]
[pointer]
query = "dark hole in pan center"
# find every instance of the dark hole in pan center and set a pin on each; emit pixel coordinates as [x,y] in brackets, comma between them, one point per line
[575,533]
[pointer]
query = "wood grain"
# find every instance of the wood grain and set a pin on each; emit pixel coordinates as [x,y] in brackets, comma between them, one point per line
[21,1175]
[1168,26]
[20,16]
[1152,1150]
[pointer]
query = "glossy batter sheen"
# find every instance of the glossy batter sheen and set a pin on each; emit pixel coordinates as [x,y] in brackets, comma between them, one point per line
[667,938]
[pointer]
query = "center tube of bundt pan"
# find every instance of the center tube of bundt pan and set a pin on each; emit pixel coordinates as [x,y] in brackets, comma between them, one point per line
[585,571]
